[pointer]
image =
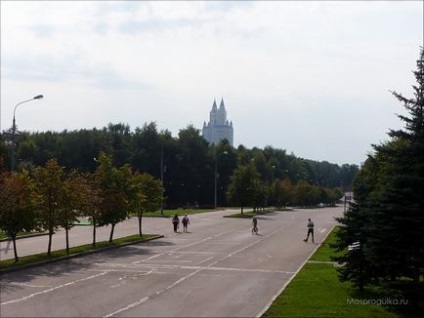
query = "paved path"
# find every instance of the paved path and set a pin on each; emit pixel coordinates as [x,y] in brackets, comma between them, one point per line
[218,269]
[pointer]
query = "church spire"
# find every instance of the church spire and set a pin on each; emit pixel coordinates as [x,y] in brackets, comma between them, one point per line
[218,127]
[214,107]
[222,106]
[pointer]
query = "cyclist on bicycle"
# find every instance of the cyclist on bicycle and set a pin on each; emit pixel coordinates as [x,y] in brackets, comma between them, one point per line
[255,225]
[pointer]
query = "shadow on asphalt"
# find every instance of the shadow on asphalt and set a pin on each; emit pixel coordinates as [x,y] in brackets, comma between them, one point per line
[159,243]
[16,280]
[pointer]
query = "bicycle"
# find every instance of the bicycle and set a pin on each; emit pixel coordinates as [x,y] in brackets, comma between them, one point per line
[255,230]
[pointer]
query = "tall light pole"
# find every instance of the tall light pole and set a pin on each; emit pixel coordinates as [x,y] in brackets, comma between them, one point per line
[216,175]
[14,129]
[161,177]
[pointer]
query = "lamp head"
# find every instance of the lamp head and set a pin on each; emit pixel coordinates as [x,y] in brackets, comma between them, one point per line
[39,97]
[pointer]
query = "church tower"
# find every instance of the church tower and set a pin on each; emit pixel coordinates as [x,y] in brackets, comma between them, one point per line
[218,127]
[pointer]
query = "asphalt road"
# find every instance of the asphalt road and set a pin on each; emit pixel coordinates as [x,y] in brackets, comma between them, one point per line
[218,269]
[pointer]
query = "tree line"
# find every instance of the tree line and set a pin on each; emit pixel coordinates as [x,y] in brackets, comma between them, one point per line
[382,237]
[50,198]
[188,167]
[110,174]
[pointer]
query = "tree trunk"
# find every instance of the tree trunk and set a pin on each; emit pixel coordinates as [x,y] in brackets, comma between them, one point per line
[242,210]
[139,225]
[49,249]
[94,233]
[111,233]
[15,251]
[67,240]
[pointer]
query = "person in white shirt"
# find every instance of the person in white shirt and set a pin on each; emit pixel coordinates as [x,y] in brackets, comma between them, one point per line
[310,231]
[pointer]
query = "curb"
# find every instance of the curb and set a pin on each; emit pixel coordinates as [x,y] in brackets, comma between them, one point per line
[23,236]
[49,261]
[274,298]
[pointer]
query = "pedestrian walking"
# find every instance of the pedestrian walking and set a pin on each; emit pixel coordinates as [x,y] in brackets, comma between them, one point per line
[310,231]
[254,225]
[176,222]
[185,222]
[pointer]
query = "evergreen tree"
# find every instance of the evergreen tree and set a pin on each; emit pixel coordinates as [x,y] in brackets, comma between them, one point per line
[399,219]
[354,232]
[388,216]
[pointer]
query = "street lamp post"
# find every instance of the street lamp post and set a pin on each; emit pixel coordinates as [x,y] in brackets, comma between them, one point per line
[14,129]
[161,177]
[216,175]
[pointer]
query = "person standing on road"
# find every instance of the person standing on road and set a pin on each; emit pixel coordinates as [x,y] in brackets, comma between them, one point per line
[185,222]
[255,225]
[310,231]
[176,222]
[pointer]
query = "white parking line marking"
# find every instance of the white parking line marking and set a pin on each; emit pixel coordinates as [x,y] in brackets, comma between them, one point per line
[28,285]
[197,270]
[205,260]
[50,289]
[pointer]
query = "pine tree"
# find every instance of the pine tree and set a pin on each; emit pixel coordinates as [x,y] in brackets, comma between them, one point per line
[355,266]
[387,217]
[396,242]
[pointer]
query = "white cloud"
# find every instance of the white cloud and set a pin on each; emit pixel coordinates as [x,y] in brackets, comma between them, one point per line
[301,76]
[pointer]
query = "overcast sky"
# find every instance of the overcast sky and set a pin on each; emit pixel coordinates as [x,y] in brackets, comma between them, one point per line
[313,78]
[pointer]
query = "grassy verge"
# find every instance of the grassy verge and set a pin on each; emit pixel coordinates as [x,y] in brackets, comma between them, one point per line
[3,235]
[317,292]
[179,212]
[77,250]
[250,214]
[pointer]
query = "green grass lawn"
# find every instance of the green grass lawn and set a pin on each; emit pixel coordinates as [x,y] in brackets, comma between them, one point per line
[250,213]
[317,292]
[171,213]
[3,235]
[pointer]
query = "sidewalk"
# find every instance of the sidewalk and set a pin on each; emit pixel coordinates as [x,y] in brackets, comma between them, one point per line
[83,234]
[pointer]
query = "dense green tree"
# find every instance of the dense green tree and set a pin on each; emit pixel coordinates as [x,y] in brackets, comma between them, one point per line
[282,192]
[390,204]
[401,194]
[119,137]
[146,195]
[91,201]
[226,161]
[49,186]
[355,230]
[115,188]
[70,204]
[18,204]
[243,187]
[147,145]
[301,193]
[78,148]
[187,161]
[193,177]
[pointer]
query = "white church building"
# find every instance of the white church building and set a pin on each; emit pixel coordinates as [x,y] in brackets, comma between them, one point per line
[218,127]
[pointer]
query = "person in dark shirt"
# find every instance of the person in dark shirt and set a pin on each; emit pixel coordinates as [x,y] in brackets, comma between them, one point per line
[176,222]
[185,222]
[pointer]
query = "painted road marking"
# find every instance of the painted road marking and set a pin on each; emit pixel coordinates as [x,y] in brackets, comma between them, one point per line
[199,269]
[51,289]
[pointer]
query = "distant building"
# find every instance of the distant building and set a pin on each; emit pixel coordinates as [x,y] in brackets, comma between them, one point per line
[218,127]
